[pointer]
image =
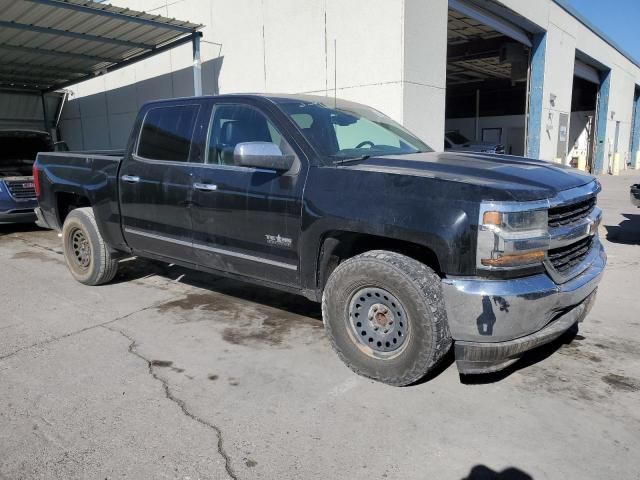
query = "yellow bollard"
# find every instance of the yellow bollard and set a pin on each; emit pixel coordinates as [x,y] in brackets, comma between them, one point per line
[582,163]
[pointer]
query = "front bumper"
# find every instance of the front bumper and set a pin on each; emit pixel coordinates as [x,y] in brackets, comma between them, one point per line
[493,322]
[16,211]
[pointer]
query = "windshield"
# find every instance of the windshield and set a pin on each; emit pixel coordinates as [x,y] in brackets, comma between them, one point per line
[349,130]
[457,138]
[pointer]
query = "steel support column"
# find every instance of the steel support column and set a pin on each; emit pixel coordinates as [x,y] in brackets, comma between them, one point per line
[536,89]
[45,114]
[635,132]
[602,118]
[197,67]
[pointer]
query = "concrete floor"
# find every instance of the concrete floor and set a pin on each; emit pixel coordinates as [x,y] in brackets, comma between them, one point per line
[171,374]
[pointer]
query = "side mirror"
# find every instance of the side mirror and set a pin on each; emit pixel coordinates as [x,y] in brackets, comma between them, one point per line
[262,155]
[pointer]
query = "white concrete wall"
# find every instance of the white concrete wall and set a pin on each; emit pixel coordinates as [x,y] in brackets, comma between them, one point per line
[281,46]
[391,54]
[424,69]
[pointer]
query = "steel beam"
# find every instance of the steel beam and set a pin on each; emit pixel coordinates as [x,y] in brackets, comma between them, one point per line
[44,112]
[56,53]
[635,131]
[535,95]
[197,68]
[82,36]
[123,16]
[17,78]
[29,68]
[602,114]
[4,84]
[489,19]
[131,61]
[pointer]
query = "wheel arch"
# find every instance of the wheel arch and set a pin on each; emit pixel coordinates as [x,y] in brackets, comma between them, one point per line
[336,246]
[67,200]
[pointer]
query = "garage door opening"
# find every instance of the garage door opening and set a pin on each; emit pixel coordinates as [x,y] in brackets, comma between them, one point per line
[487,83]
[589,105]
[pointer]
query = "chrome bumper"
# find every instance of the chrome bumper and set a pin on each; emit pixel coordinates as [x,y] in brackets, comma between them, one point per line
[476,357]
[493,311]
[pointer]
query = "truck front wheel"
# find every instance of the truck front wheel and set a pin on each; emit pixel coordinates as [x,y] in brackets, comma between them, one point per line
[88,258]
[384,315]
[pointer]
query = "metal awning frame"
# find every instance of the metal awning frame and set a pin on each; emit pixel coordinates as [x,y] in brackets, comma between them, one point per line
[492,20]
[193,38]
[77,54]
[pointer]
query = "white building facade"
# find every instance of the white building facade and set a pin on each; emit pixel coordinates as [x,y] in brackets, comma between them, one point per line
[397,56]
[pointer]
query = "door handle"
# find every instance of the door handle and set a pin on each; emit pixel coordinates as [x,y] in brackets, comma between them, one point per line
[130,178]
[205,187]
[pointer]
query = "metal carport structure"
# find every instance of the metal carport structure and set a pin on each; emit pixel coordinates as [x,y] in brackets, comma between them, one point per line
[47,45]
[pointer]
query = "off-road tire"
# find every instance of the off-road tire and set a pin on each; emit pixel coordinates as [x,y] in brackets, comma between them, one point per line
[419,290]
[95,265]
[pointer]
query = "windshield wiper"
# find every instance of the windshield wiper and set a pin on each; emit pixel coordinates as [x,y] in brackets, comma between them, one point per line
[342,161]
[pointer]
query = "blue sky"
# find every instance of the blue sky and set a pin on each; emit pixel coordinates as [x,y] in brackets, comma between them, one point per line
[619,19]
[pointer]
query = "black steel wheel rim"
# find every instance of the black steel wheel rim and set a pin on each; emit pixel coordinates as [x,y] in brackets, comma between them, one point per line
[378,322]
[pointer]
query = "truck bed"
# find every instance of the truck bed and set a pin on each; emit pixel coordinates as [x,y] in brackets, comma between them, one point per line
[90,175]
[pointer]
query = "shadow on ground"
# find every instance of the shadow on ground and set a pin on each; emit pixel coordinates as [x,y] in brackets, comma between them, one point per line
[481,472]
[135,269]
[9,228]
[627,233]
[528,359]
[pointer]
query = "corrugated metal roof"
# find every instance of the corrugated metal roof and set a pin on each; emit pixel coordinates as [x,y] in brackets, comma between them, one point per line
[49,43]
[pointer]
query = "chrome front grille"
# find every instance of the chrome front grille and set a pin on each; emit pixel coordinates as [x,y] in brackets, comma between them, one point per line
[567,258]
[21,189]
[573,225]
[567,214]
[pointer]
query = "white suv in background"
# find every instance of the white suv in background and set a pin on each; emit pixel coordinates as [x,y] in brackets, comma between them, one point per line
[457,142]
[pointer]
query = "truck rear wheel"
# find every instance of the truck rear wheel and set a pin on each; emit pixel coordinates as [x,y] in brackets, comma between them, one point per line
[384,315]
[88,258]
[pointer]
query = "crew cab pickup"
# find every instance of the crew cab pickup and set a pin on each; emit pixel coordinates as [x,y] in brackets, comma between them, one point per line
[409,251]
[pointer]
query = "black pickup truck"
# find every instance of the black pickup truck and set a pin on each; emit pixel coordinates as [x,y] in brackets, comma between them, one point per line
[409,250]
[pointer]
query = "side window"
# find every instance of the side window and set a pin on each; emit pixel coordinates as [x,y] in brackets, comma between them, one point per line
[166,133]
[233,124]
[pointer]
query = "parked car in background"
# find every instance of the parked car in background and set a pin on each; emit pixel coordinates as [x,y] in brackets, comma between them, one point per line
[455,141]
[18,150]
[635,194]
[409,250]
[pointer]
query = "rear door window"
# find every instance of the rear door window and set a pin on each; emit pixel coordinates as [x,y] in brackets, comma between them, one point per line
[166,133]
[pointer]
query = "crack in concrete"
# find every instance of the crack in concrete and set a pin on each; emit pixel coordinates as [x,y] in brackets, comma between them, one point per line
[180,403]
[76,332]
[35,245]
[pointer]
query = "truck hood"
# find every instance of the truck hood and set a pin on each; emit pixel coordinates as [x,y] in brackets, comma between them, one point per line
[501,177]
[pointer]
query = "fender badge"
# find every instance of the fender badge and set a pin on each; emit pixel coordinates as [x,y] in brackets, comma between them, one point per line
[279,241]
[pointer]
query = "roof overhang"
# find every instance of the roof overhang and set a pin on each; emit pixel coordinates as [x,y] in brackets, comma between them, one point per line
[46,45]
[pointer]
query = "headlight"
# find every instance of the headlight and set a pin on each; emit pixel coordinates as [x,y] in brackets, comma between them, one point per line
[512,238]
